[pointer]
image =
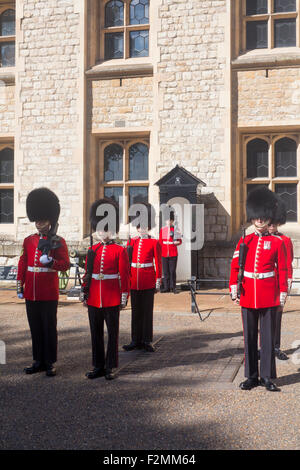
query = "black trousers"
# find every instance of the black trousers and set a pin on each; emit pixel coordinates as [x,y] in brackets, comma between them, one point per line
[42,319]
[169,265]
[267,319]
[142,302]
[278,327]
[97,316]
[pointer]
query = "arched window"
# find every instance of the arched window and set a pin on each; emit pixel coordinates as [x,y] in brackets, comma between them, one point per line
[257,158]
[125,173]
[114,13]
[138,162]
[285,157]
[7,38]
[139,11]
[113,163]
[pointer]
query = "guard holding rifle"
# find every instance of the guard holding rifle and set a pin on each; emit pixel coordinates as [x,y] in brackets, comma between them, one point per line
[105,287]
[280,219]
[145,280]
[258,282]
[169,239]
[43,255]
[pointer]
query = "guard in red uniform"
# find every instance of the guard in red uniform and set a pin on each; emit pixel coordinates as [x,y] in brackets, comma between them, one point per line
[43,255]
[145,281]
[169,239]
[280,219]
[264,288]
[105,287]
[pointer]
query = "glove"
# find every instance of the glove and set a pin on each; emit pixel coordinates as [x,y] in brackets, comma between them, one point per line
[20,296]
[157,285]
[44,259]
[83,298]
[233,292]
[20,290]
[124,300]
[283,296]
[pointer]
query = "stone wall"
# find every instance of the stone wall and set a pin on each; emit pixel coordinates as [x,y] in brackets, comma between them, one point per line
[7,108]
[192,84]
[129,100]
[268,99]
[48,134]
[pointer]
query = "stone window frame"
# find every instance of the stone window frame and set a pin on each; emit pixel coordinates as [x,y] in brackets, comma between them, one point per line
[126,29]
[10,145]
[242,20]
[125,183]
[3,8]
[271,180]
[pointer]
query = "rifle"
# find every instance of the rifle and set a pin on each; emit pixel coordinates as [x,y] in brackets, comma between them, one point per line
[51,242]
[242,258]
[87,278]
[129,250]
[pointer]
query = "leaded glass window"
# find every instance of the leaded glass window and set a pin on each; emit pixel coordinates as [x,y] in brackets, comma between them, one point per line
[138,162]
[138,194]
[285,33]
[257,158]
[114,13]
[7,166]
[256,7]
[115,193]
[114,46]
[139,11]
[8,23]
[6,206]
[257,35]
[288,193]
[113,163]
[139,43]
[281,6]
[285,157]
[7,31]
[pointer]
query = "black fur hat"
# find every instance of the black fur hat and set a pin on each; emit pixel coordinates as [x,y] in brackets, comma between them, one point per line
[42,204]
[280,213]
[95,219]
[149,220]
[261,204]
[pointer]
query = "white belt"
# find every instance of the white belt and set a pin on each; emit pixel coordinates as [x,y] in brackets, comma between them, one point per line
[168,243]
[103,277]
[141,265]
[259,275]
[36,269]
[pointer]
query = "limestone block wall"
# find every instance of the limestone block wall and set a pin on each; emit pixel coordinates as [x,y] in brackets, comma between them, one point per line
[129,100]
[193,117]
[7,108]
[268,99]
[48,138]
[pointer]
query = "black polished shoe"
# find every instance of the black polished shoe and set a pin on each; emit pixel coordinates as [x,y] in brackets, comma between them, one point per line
[36,367]
[131,346]
[109,375]
[96,372]
[149,347]
[50,371]
[270,386]
[281,355]
[249,384]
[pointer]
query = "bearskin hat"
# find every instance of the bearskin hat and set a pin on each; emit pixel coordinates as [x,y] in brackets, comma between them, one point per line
[280,212]
[261,204]
[144,218]
[42,204]
[111,211]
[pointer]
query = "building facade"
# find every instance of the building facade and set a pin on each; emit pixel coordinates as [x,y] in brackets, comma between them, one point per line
[105,97]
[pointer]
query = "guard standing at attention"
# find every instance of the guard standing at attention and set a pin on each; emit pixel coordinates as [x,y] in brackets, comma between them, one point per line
[105,288]
[280,219]
[169,239]
[261,288]
[145,280]
[43,255]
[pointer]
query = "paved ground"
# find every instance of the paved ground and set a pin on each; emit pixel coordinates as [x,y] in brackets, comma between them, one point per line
[183,396]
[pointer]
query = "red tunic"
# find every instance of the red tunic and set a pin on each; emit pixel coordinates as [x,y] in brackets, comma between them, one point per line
[110,260]
[266,255]
[145,251]
[289,255]
[167,242]
[41,285]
